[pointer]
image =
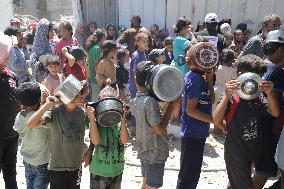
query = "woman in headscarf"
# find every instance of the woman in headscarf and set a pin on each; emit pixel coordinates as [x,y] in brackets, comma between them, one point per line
[81,35]
[111,32]
[41,46]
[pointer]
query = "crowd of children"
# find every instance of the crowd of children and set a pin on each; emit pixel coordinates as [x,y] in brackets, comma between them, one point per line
[52,133]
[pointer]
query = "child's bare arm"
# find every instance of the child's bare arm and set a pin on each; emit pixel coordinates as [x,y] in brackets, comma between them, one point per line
[124,136]
[193,111]
[36,119]
[274,108]
[220,110]
[94,132]
[70,58]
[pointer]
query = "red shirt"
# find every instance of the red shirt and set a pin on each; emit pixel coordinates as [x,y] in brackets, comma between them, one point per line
[77,70]
[63,43]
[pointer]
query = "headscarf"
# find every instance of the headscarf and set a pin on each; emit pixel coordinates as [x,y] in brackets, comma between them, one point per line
[81,38]
[41,43]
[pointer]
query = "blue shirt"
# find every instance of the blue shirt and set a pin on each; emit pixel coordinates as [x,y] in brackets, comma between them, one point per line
[179,48]
[169,57]
[18,63]
[275,74]
[195,88]
[137,57]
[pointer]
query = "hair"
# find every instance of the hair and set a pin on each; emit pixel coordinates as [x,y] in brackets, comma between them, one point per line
[181,23]
[269,18]
[28,93]
[141,35]
[168,41]
[200,22]
[93,23]
[242,27]
[53,60]
[66,25]
[142,71]
[95,38]
[227,56]
[137,18]
[251,63]
[30,38]
[121,53]
[269,48]
[229,34]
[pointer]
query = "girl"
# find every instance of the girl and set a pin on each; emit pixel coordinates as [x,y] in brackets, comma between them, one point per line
[93,27]
[41,46]
[111,32]
[239,42]
[181,43]
[81,35]
[95,42]
[66,33]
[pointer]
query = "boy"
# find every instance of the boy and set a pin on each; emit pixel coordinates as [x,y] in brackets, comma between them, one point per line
[153,149]
[157,56]
[168,51]
[106,69]
[53,80]
[36,142]
[195,122]
[138,56]
[67,123]
[244,123]
[108,160]
[8,111]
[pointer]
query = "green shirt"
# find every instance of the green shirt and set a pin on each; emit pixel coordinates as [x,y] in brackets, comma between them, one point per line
[36,141]
[108,157]
[95,54]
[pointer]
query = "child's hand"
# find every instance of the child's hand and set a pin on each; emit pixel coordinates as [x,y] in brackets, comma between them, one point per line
[51,101]
[231,86]
[90,112]
[266,86]
[87,158]
[125,110]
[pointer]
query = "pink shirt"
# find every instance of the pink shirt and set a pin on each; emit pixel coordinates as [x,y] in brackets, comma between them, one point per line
[63,43]
[52,84]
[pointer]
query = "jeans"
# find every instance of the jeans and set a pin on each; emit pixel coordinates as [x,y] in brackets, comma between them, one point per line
[190,162]
[37,177]
[8,160]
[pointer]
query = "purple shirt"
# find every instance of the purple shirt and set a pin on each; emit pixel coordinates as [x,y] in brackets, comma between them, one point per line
[137,57]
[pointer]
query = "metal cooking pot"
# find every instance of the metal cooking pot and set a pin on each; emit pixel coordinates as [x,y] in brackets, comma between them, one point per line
[203,55]
[69,89]
[249,86]
[109,111]
[165,82]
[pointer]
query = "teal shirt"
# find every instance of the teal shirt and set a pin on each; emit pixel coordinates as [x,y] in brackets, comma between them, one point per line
[35,141]
[179,47]
[95,54]
[108,157]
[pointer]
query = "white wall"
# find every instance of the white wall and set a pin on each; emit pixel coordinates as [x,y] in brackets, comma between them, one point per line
[166,12]
[6,13]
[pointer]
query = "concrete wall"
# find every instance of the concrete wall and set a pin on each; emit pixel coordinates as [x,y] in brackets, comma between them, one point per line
[5,14]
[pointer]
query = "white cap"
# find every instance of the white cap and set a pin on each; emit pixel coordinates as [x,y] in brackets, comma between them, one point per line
[275,36]
[211,17]
[6,44]
[225,28]
[43,58]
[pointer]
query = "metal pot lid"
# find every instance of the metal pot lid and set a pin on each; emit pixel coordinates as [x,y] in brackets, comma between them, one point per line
[249,86]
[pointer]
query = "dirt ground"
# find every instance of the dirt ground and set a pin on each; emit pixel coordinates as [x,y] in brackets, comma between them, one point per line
[213,174]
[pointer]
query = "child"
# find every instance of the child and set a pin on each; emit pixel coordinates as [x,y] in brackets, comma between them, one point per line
[157,56]
[122,74]
[138,56]
[106,68]
[108,159]
[181,43]
[111,32]
[152,145]
[195,122]
[168,50]
[53,80]
[67,39]
[8,111]
[95,42]
[36,141]
[224,73]
[67,123]
[229,39]
[244,125]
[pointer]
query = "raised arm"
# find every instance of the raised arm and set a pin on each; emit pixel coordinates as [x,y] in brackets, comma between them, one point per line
[274,108]
[94,132]
[70,58]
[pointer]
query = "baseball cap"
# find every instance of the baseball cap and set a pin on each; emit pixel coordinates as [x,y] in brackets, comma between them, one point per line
[11,30]
[109,45]
[276,36]
[14,20]
[6,44]
[155,53]
[225,28]
[211,17]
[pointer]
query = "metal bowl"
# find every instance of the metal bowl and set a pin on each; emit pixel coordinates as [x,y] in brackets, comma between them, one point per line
[249,86]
